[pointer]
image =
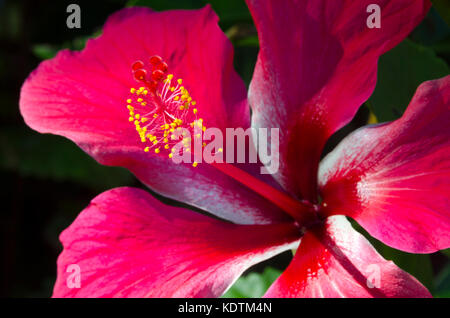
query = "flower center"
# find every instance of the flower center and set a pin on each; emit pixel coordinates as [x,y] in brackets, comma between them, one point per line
[164,114]
[161,109]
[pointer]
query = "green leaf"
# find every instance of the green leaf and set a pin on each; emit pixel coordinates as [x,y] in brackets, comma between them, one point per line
[248,41]
[161,5]
[45,51]
[443,7]
[400,72]
[229,12]
[253,285]
[446,252]
[443,283]
[431,30]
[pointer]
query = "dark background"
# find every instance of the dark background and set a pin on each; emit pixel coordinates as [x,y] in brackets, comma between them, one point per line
[46,180]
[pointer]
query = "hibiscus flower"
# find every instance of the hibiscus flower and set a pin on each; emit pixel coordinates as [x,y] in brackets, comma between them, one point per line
[152,72]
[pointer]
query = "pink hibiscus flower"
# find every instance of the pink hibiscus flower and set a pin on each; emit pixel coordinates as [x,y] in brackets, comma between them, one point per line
[316,66]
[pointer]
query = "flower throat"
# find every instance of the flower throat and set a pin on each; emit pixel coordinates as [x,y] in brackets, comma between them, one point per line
[164,114]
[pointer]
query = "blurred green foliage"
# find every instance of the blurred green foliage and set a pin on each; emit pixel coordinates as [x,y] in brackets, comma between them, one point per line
[52,157]
[47,51]
[443,7]
[442,288]
[412,62]
[230,12]
[49,179]
[400,72]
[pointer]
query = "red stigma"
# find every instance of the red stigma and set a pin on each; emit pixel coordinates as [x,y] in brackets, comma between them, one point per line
[137,65]
[140,75]
[162,67]
[157,75]
[155,60]
[152,85]
[157,68]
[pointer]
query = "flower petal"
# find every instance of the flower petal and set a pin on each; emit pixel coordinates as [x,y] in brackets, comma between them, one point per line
[128,244]
[336,261]
[316,66]
[394,178]
[82,96]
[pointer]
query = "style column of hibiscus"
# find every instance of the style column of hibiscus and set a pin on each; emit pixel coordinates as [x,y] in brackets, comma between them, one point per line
[316,66]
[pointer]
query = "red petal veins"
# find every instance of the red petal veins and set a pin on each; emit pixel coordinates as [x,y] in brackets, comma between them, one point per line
[394,178]
[128,244]
[335,261]
[82,96]
[317,64]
